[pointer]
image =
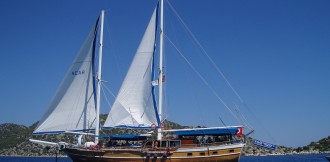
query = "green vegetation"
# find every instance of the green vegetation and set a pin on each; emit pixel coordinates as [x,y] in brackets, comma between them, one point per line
[12,134]
[322,145]
[14,138]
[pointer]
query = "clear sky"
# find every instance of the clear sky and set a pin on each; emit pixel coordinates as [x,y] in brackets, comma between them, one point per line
[276,55]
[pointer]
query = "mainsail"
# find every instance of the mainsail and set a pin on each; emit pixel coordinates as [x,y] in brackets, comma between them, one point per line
[134,105]
[73,106]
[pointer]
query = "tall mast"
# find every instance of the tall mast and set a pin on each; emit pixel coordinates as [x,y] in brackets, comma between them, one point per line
[99,81]
[160,77]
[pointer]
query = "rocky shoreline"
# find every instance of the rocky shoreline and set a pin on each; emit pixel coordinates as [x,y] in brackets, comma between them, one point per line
[14,141]
[28,149]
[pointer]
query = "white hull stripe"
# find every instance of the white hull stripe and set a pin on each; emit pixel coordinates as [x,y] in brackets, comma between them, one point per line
[187,157]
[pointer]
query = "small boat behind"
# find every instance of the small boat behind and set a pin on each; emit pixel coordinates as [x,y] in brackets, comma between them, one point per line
[328,158]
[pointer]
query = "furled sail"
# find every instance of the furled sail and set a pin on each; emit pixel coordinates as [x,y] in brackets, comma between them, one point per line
[134,105]
[73,106]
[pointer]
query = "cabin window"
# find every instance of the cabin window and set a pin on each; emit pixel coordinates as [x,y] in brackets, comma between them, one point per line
[231,151]
[202,153]
[164,144]
[149,144]
[189,154]
[215,153]
[175,144]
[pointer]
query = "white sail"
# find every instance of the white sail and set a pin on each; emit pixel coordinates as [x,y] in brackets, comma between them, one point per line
[134,105]
[73,106]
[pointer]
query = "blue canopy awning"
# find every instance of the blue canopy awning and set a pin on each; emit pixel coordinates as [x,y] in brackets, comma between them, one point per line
[205,131]
[133,137]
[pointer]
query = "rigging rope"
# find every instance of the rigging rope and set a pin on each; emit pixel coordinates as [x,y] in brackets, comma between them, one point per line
[206,54]
[106,98]
[202,78]
[217,69]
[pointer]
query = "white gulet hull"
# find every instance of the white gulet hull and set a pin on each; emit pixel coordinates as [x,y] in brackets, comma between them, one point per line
[221,153]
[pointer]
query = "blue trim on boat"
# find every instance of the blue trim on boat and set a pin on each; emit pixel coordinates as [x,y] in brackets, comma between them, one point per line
[199,132]
[129,127]
[93,61]
[125,137]
[153,74]
[59,132]
[93,58]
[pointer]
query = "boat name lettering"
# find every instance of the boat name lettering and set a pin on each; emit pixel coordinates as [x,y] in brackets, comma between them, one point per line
[78,72]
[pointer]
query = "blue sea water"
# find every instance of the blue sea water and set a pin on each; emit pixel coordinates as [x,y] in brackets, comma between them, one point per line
[282,158]
[286,158]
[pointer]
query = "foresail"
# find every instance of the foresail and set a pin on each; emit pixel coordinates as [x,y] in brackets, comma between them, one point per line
[134,105]
[73,106]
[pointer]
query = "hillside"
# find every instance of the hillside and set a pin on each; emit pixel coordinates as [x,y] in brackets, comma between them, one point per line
[14,141]
[11,134]
[322,145]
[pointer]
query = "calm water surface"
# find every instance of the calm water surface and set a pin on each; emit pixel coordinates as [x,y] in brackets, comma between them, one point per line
[284,158]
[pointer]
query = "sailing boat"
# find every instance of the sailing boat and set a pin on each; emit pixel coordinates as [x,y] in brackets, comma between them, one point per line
[75,108]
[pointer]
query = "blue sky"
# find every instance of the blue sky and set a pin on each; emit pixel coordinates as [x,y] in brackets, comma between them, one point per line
[276,55]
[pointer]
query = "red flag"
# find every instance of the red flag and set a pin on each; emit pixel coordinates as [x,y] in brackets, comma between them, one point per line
[239,132]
